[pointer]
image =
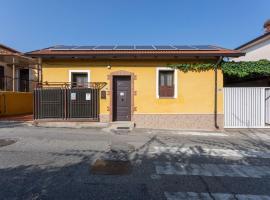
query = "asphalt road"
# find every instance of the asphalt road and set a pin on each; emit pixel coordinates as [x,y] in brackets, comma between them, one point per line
[57,163]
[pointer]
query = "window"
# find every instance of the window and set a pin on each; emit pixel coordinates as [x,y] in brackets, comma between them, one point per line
[166,83]
[79,79]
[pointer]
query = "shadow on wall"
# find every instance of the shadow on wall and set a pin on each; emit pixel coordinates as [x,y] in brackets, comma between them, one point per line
[76,180]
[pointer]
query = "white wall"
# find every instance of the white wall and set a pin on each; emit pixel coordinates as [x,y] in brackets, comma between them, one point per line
[256,52]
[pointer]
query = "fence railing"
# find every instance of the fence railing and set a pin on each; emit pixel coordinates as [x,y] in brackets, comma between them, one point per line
[21,85]
[69,85]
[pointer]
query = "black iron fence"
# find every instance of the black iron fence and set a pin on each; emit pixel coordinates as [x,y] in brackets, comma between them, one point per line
[67,102]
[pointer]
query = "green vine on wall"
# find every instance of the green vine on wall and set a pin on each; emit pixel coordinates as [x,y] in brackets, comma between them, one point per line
[237,69]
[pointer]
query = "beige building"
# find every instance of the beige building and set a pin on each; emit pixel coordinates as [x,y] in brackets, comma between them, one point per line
[17,72]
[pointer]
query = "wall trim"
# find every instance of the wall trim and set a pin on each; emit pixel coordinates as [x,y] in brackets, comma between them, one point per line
[177,113]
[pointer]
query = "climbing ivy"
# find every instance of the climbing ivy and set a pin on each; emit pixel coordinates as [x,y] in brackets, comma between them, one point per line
[185,67]
[237,69]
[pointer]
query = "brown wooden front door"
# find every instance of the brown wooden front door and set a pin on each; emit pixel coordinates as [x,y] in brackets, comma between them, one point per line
[121,98]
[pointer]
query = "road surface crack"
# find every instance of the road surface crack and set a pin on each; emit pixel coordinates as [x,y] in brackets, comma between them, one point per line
[207,188]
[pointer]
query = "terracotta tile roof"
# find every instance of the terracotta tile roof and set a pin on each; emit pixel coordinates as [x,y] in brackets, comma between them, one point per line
[5,50]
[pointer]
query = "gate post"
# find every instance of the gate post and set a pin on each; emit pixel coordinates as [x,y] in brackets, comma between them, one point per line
[263,90]
[65,103]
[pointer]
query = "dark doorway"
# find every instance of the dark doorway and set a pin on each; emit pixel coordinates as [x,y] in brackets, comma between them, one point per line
[24,80]
[2,78]
[121,98]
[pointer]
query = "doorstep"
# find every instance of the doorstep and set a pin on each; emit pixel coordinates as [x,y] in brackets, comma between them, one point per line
[122,125]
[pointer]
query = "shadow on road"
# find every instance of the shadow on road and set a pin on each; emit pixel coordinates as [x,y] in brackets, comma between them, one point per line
[76,180]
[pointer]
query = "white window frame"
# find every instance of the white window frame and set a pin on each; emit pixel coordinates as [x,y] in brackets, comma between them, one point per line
[175,81]
[79,71]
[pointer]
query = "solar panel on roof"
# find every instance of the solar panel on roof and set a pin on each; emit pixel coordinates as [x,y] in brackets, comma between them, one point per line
[184,47]
[124,47]
[144,47]
[164,47]
[105,47]
[60,47]
[204,47]
[84,47]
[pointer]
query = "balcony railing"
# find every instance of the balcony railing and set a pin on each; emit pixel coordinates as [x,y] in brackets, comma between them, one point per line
[67,85]
[21,85]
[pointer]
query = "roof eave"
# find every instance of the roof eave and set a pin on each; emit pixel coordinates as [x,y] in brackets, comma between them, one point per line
[252,41]
[152,55]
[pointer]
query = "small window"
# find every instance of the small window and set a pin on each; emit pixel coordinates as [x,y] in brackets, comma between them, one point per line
[79,79]
[166,83]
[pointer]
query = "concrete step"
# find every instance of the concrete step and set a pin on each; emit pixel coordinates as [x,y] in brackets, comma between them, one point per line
[122,125]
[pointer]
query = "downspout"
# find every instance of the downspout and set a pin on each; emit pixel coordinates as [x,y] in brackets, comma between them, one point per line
[216,88]
[13,74]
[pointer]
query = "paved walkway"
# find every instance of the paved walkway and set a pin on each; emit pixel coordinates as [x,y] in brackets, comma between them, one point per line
[55,163]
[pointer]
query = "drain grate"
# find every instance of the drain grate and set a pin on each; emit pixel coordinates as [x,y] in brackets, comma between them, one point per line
[111,167]
[123,128]
[6,142]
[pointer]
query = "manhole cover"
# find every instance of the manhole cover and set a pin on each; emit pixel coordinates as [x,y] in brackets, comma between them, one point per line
[111,167]
[6,142]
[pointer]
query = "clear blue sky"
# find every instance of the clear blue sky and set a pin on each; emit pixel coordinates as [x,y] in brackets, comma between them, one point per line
[33,24]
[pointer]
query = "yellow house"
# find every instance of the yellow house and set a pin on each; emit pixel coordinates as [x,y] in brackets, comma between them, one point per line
[140,87]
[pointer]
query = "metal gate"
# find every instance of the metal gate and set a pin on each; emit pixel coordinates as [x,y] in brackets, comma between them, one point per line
[247,107]
[66,103]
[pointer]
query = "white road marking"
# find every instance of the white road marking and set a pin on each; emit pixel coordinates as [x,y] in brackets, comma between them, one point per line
[217,196]
[194,133]
[202,151]
[169,168]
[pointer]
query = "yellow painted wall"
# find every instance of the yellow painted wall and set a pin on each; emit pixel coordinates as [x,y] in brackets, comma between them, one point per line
[16,103]
[195,89]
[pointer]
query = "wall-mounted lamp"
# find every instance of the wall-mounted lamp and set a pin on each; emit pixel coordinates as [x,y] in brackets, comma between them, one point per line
[109,67]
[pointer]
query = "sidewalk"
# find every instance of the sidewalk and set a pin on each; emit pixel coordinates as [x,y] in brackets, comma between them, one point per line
[20,118]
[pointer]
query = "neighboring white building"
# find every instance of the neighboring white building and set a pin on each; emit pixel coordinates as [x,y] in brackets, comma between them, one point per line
[247,100]
[258,48]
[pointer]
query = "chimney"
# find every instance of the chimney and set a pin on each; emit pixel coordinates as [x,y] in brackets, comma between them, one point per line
[266,26]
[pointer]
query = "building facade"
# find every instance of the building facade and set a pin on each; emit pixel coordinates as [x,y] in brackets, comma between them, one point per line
[140,87]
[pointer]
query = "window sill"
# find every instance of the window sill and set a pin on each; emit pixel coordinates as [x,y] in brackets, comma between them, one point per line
[167,97]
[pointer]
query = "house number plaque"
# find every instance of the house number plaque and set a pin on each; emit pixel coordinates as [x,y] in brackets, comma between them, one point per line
[73,96]
[88,96]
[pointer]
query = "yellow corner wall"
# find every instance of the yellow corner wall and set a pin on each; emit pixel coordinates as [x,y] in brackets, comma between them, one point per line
[195,89]
[16,103]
